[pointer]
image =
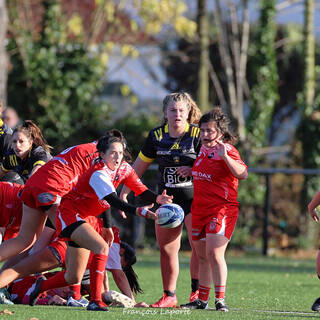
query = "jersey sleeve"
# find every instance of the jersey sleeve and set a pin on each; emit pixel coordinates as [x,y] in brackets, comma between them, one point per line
[148,152]
[235,155]
[39,157]
[7,162]
[101,184]
[134,183]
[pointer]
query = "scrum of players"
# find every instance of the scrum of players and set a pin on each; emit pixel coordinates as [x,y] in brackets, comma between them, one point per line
[55,211]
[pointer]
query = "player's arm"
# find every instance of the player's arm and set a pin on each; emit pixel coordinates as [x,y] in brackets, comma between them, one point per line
[134,183]
[2,172]
[140,166]
[39,160]
[105,190]
[233,161]
[313,205]
[122,283]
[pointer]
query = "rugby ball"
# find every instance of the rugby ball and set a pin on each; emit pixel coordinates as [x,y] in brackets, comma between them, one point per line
[169,215]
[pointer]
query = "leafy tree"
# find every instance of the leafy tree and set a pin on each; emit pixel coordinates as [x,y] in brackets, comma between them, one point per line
[58,80]
[264,94]
[59,71]
[309,130]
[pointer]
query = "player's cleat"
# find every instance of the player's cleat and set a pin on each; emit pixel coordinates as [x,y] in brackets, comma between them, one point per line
[120,299]
[196,304]
[97,306]
[194,296]
[316,305]
[5,297]
[82,302]
[221,305]
[35,293]
[165,302]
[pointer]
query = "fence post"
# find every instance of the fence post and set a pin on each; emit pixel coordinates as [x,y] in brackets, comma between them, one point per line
[267,208]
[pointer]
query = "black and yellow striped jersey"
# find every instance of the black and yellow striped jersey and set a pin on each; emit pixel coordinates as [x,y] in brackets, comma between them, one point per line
[171,153]
[36,156]
[5,138]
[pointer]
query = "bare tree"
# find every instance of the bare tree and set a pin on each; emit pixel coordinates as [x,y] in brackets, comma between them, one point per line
[203,87]
[3,54]
[233,50]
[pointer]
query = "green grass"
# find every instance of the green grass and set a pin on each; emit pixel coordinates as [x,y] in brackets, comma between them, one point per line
[258,288]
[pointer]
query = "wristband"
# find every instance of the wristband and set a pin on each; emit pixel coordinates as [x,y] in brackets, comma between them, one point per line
[142,211]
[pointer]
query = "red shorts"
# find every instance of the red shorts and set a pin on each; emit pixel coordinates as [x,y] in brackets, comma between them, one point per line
[59,248]
[221,222]
[35,197]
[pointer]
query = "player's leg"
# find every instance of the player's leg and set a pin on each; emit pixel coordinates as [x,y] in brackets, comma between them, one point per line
[38,262]
[316,304]
[169,244]
[76,261]
[216,246]
[32,224]
[194,263]
[85,236]
[205,277]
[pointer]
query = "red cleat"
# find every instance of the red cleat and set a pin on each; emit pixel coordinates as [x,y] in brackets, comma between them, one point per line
[165,302]
[194,296]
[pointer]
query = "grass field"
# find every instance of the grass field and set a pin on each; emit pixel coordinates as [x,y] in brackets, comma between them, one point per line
[258,288]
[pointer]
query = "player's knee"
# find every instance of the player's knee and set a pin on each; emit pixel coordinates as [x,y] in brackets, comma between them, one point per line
[72,278]
[102,249]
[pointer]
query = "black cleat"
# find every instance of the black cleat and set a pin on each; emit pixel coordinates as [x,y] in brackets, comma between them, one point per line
[316,305]
[221,305]
[97,306]
[35,293]
[196,304]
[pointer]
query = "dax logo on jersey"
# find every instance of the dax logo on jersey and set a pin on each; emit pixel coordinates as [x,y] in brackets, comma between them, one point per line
[169,215]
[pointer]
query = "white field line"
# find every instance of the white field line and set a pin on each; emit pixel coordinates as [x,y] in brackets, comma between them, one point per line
[278,312]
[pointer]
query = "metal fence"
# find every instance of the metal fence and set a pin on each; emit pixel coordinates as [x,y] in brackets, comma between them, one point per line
[268,173]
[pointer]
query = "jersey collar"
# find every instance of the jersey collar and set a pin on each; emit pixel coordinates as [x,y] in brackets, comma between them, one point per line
[166,128]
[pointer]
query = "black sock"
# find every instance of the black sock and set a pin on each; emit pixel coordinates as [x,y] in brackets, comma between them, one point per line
[194,285]
[169,293]
[318,276]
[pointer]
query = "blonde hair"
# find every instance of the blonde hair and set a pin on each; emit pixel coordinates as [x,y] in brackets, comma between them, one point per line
[194,111]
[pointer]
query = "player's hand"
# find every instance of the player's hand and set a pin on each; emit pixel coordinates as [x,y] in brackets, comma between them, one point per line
[146,213]
[108,236]
[184,171]
[123,197]
[314,215]
[163,198]
[221,149]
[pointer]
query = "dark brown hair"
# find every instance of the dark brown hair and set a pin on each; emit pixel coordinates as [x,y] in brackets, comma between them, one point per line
[113,135]
[222,123]
[32,132]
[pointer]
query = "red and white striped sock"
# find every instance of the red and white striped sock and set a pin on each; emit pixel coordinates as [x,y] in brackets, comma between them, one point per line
[220,291]
[204,293]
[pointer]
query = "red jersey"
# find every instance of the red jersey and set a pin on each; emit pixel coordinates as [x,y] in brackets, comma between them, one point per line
[213,182]
[10,208]
[87,198]
[60,174]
